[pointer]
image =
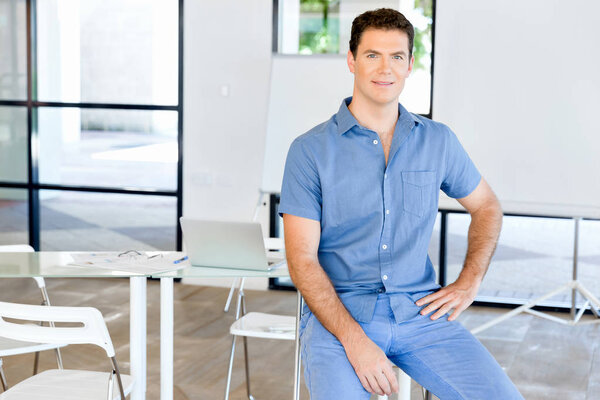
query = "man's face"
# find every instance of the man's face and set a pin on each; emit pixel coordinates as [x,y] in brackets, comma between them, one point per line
[381,66]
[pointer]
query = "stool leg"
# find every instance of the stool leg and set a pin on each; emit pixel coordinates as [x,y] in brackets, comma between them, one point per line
[403,385]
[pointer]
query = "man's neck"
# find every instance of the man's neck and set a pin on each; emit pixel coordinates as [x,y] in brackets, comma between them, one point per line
[374,116]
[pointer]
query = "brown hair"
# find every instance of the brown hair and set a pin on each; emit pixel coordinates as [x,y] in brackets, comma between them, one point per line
[381,18]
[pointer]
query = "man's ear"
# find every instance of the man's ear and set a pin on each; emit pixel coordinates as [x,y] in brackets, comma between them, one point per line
[350,60]
[411,64]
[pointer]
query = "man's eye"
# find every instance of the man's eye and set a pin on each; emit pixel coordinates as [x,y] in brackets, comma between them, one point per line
[371,56]
[397,57]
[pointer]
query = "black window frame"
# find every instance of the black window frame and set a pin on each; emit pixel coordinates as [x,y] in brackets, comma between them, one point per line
[33,186]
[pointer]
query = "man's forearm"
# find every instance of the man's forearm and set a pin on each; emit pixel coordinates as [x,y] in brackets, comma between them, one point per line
[484,231]
[318,292]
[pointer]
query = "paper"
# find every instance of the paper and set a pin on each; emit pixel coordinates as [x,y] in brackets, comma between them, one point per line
[137,262]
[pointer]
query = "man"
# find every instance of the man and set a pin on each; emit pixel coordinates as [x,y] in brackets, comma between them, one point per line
[359,200]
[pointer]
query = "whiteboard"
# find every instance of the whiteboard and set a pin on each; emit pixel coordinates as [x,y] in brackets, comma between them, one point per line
[519,83]
[304,92]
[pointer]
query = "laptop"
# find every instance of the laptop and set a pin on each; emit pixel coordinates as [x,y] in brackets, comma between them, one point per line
[219,244]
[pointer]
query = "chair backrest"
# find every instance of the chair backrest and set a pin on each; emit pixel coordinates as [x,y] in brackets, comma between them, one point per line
[274,243]
[23,248]
[93,331]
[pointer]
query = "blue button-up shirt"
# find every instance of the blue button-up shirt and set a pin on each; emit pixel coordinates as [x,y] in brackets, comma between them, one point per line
[376,220]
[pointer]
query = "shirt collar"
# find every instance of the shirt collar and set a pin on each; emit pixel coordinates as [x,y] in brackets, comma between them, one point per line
[346,121]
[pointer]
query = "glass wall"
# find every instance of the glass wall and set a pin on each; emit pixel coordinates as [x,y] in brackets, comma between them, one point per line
[108,51]
[534,256]
[108,148]
[106,221]
[13,50]
[13,144]
[13,216]
[104,117]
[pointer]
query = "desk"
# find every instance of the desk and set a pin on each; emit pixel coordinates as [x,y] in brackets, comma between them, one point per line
[55,265]
[166,311]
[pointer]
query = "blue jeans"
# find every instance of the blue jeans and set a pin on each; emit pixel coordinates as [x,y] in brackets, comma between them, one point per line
[440,355]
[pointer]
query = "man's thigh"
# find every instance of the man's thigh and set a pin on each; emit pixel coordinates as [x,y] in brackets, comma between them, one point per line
[327,371]
[449,361]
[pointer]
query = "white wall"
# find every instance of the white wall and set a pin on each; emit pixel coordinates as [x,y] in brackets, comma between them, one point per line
[227,59]
[518,82]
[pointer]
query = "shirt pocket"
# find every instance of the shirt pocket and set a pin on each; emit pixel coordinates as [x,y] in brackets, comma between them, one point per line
[418,188]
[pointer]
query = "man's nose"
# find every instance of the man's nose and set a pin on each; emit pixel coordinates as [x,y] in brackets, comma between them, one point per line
[384,65]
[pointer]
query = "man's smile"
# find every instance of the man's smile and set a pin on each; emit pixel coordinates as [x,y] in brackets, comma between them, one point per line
[383,83]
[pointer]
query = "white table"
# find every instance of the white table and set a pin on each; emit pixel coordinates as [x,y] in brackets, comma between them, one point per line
[55,265]
[166,311]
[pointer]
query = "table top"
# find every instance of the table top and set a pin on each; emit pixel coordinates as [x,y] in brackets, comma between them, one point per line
[55,264]
[52,264]
[191,271]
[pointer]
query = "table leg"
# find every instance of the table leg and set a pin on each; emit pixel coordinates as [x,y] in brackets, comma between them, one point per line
[137,336]
[166,338]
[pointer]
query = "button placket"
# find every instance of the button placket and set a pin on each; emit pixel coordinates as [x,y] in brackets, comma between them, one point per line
[384,244]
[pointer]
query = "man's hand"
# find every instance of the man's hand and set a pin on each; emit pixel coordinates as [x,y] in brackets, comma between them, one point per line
[372,367]
[457,296]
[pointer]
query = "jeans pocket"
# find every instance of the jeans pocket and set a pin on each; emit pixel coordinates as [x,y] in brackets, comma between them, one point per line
[418,190]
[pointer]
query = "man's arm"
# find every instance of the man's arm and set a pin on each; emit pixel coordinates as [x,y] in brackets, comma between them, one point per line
[486,222]
[370,363]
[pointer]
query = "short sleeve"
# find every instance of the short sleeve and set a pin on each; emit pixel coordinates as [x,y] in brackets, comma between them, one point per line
[300,189]
[461,176]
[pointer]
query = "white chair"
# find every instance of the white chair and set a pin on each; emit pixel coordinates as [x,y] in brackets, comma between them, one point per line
[255,324]
[10,347]
[60,383]
[258,325]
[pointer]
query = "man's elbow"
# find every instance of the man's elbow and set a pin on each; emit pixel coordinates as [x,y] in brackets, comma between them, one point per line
[490,211]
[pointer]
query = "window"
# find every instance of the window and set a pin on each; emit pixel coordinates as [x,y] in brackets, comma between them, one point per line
[90,124]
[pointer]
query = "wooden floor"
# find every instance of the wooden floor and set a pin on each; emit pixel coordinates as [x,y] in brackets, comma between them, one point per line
[545,360]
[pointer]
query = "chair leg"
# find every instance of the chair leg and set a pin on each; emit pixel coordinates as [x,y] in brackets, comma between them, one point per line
[246,358]
[59,360]
[230,369]
[230,296]
[250,397]
[3,378]
[115,366]
[46,302]
[36,358]
[36,361]
[111,382]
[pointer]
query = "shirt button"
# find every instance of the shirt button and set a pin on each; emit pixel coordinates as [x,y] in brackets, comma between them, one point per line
[384,246]
[384,176]
[385,277]
[375,141]
[387,211]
